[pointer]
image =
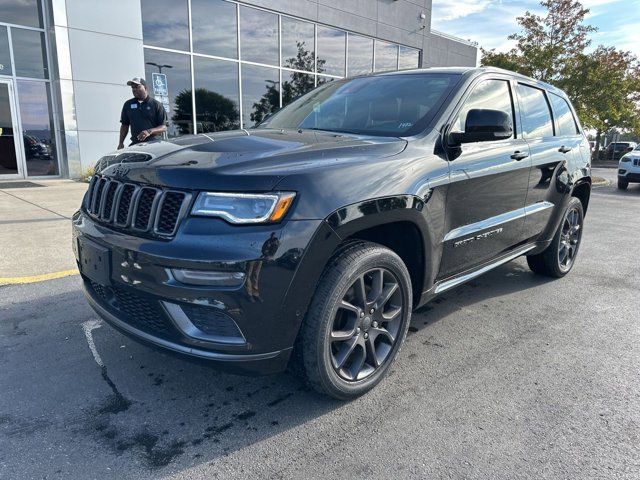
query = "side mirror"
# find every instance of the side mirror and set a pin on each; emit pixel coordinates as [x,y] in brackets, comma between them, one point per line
[483,126]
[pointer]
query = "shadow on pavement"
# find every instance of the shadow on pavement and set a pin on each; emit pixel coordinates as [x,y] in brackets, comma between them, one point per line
[154,409]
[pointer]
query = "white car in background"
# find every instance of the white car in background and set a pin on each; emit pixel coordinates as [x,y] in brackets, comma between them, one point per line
[629,168]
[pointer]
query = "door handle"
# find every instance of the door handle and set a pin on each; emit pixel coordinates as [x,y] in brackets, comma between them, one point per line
[517,155]
[564,149]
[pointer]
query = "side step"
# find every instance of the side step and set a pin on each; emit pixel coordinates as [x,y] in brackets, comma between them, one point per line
[445,285]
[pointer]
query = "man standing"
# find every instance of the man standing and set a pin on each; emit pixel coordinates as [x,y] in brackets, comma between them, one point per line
[145,115]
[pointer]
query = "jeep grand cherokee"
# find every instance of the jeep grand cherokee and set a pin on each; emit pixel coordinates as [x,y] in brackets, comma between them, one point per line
[312,238]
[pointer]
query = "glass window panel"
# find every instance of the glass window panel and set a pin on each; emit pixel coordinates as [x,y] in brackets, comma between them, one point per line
[37,128]
[389,105]
[259,36]
[295,84]
[489,94]
[29,53]
[536,117]
[260,93]
[360,55]
[5,57]
[22,12]
[180,112]
[165,23]
[386,56]
[409,58]
[215,28]
[297,44]
[564,116]
[217,97]
[8,157]
[331,51]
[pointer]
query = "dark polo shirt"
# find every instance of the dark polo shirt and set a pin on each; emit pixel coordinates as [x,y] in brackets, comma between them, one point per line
[142,116]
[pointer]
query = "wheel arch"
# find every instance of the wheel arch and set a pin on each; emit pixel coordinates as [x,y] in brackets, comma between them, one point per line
[582,191]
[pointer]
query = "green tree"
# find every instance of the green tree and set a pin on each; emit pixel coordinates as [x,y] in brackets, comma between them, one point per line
[214,112]
[298,84]
[605,89]
[547,46]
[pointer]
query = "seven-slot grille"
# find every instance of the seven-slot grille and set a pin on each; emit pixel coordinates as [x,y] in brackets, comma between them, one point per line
[138,208]
[636,162]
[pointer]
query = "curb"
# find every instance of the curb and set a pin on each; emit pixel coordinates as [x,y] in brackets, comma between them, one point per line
[599,182]
[37,278]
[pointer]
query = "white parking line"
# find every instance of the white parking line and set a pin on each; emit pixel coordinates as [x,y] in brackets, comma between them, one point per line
[88,327]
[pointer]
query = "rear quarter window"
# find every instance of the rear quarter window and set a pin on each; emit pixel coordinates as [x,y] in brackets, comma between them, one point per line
[535,113]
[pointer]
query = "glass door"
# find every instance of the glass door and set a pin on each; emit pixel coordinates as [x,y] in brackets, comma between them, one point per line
[11,165]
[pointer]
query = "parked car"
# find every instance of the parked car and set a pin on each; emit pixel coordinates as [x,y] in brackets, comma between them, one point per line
[629,168]
[311,238]
[616,150]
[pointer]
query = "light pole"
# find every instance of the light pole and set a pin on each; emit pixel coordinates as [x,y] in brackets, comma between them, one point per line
[159,67]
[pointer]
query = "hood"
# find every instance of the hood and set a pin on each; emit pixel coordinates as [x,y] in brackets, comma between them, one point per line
[242,160]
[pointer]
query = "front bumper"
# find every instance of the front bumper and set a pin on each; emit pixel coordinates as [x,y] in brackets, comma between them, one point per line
[249,329]
[629,170]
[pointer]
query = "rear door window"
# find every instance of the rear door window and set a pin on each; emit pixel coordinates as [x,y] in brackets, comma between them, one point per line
[488,94]
[565,121]
[534,109]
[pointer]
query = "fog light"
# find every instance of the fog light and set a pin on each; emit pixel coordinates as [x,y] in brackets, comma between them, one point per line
[208,277]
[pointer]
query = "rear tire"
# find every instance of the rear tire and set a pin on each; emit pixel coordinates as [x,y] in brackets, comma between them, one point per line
[558,258]
[622,184]
[357,321]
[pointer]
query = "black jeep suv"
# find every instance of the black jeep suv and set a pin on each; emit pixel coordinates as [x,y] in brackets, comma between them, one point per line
[312,237]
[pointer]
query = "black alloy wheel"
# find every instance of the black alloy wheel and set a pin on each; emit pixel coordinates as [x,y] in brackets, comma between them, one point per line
[559,257]
[366,324]
[569,239]
[357,320]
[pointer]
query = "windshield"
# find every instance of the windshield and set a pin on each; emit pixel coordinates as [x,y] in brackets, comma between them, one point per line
[390,105]
[637,147]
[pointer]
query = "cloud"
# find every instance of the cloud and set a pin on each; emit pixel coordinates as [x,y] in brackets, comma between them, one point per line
[451,10]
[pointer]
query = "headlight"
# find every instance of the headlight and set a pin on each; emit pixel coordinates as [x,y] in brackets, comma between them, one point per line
[625,159]
[244,208]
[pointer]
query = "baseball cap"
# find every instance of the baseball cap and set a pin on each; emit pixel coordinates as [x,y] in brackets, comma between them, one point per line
[137,81]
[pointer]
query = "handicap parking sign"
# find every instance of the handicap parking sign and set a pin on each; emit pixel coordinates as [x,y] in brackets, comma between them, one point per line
[160,87]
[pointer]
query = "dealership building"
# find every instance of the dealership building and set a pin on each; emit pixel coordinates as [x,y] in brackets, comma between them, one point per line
[214,64]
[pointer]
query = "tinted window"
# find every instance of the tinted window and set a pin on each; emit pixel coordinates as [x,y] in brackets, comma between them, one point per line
[165,23]
[37,128]
[217,97]
[386,56]
[488,94]
[23,12]
[393,105]
[565,122]
[258,36]
[180,111]
[295,84]
[331,51]
[298,48]
[5,58]
[260,93]
[360,55]
[534,110]
[29,53]
[215,28]
[409,58]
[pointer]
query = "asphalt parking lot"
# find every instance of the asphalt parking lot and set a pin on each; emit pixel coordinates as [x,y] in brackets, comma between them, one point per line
[510,376]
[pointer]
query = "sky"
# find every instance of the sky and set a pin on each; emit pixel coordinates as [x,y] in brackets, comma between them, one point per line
[490,22]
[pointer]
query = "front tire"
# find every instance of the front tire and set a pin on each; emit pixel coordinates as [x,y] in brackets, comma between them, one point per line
[622,184]
[558,258]
[357,321]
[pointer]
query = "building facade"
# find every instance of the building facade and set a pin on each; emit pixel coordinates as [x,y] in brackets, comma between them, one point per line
[214,64]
